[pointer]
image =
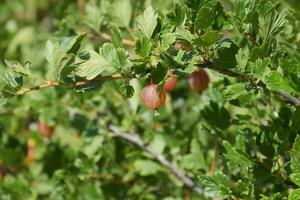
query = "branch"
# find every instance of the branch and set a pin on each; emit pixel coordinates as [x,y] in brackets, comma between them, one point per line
[135,139]
[73,85]
[288,97]
[124,41]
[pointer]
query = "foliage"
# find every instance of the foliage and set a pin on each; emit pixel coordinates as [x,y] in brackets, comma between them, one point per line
[80,66]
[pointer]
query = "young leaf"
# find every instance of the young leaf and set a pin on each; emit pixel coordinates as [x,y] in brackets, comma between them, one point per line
[18,68]
[216,186]
[147,22]
[276,82]
[236,159]
[96,65]
[235,91]
[116,37]
[143,47]
[120,12]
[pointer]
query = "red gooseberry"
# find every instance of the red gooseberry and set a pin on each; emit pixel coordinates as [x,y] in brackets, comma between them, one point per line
[45,130]
[198,80]
[151,98]
[170,83]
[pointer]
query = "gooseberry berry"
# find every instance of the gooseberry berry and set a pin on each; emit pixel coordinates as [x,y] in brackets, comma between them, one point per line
[198,80]
[151,98]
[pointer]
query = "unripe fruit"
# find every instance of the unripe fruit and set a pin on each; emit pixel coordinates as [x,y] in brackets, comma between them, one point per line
[198,81]
[151,98]
[182,45]
[45,130]
[170,83]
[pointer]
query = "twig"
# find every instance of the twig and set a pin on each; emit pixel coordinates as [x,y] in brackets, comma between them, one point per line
[135,139]
[213,161]
[124,41]
[291,99]
[81,7]
[288,97]
[74,85]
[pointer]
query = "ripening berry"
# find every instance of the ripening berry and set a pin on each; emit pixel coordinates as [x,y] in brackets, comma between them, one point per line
[198,80]
[170,83]
[182,45]
[45,130]
[151,98]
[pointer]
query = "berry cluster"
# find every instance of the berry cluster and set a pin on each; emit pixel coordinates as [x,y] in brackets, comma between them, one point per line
[152,99]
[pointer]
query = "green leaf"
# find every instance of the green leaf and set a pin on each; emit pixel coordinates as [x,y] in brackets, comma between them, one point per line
[143,47]
[96,65]
[61,57]
[276,82]
[116,37]
[235,91]
[177,17]
[120,12]
[72,45]
[218,117]
[236,159]
[295,160]
[259,68]
[294,195]
[117,57]
[203,19]
[93,17]
[296,120]
[146,167]
[216,186]
[159,73]
[167,40]
[147,22]
[208,38]
[18,68]
[126,90]
[225,55]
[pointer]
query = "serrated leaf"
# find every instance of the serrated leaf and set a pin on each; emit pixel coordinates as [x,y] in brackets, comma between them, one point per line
[235,91]
[294,195]
[120,12]
[216,186]
[259,68]
[73,45]
[295,161]
[61,57]
[96,65]
[143,47]
[203,19]
[93,16]
[225,55]
[208,38]
[167,40]
[18,68]
[117,57]
[146,167]
[147,22]
[126,90]
[116,37]
[276,82]
[235,158]
[177,17]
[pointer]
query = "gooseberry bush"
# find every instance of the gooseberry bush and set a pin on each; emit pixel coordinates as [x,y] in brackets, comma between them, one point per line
[150,99]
